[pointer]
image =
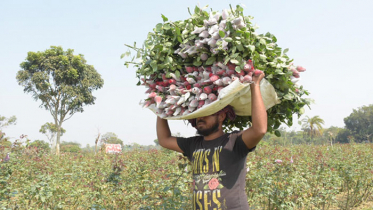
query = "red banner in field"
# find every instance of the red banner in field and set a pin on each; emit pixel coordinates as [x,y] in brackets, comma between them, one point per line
[113,148]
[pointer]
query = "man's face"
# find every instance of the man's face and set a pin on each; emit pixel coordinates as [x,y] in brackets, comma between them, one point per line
[207,125]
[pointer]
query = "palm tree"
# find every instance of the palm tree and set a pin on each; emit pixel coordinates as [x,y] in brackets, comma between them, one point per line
[312,126]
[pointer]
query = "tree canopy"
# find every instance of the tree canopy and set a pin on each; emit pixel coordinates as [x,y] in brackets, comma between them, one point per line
[312,126]
[40,144]
[360,123]
[4,122]
[111,138]
[62,81]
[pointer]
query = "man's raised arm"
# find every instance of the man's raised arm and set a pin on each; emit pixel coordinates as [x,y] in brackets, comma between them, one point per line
[164,136]
[255,133]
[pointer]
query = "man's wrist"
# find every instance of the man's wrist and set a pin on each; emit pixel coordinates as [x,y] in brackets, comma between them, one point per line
[254,85]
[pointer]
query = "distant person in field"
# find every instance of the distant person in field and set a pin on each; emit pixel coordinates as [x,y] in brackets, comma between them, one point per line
[219,159]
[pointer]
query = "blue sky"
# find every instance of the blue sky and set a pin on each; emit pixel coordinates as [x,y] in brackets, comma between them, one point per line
[332,39]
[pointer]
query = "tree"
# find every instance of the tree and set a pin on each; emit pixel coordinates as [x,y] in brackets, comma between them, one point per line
[111,138]
[97,139]
[312,126]
[360,123]
[50,130]
[40,144]
[330,134]
[4,122]
[69,146]
[63,82]
[156,142]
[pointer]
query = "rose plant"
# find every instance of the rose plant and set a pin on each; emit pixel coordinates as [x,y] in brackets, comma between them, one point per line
[180,56]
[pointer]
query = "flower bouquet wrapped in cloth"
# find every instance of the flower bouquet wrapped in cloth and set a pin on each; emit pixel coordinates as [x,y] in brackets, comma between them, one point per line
[196,67]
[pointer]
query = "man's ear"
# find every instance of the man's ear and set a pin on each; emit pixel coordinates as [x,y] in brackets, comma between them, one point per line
[222,117]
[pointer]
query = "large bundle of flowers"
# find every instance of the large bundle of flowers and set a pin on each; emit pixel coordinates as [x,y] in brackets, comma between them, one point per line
[186,64]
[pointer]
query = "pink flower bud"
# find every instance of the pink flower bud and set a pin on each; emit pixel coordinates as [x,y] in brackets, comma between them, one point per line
[159,88]
[220,72]
[231,72]
[301,69]
[278,161]
[258,72]
[158,100]
[207,90]
[189,69]
[203,96]
[152,95]
[200,104]
[246,79]
[241,73]
[147,103]
[212,97]
[204,34]
[213,78]
[226,80]
[247,67]
[193,103]
[204,56]
[172,81]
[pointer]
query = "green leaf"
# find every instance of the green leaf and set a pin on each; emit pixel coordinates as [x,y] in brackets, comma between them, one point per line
[164,18]
[228,39]
[238,69]
[288,96]
[277,133]
[197,9]
[206,187]
[234,56]
[166,26]
[177,29]
[177,74]
[210,60]
[197,63]
[148,62]
[286,50]
[234,61]
[221,34]
[278,71]
[153,64]
[168,59]
[158,27]
[179,39]
[240,48]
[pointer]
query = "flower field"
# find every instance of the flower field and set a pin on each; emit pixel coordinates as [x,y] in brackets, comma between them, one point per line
[297,177]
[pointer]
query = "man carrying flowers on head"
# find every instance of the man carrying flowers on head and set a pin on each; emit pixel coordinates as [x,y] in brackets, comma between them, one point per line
[219,159]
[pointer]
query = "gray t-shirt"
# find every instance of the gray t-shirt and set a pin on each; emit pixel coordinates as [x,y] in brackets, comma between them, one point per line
[219,171]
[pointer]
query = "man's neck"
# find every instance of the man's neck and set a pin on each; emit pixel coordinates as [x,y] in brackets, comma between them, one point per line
[213,136]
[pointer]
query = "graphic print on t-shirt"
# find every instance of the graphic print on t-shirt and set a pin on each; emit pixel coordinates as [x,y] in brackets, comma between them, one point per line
[207,179]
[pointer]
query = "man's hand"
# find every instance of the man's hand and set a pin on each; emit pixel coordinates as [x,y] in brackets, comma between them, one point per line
[257,77]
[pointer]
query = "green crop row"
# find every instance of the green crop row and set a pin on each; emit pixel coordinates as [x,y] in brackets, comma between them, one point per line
[303,177]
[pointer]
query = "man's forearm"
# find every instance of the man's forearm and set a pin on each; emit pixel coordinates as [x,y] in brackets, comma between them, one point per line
[258,111]
[163,130]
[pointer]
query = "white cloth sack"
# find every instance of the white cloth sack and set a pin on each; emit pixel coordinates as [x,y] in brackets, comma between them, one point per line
[237,95]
